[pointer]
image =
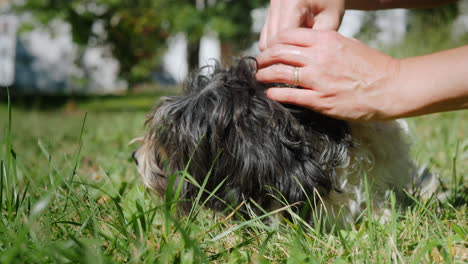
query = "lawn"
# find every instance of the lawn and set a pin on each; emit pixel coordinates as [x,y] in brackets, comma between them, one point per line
[69,193]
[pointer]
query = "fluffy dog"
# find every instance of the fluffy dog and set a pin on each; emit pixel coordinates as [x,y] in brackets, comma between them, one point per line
[254,149]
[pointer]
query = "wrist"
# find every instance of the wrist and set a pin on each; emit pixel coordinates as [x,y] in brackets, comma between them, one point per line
[387,93]
[408,90]
[401,99]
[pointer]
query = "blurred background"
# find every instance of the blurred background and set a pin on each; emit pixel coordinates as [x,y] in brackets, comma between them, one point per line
[120,47]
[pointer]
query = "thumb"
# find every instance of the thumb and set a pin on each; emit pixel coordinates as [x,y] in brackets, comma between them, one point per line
[328,21]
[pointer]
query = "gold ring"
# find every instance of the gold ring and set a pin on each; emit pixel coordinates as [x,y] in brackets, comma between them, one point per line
[296,76]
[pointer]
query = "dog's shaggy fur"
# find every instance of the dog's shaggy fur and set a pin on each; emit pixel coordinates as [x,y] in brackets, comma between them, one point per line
[255,149]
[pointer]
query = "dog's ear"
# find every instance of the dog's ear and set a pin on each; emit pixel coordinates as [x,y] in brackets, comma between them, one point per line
[138,140]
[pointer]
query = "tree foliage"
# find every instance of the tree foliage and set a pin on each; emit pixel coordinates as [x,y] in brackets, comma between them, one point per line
[426,21]
[137,30]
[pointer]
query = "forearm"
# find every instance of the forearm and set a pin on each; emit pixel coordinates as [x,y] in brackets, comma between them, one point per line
[432,83]
[387,4]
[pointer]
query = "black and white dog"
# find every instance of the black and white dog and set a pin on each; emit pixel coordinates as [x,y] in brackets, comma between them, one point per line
[255,149]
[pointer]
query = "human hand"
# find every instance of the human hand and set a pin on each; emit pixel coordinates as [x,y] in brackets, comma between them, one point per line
[316,14]
[341,77]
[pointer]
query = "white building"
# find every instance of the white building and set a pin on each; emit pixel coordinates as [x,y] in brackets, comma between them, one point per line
[8,29]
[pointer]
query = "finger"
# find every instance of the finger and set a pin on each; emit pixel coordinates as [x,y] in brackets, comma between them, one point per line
[277,73]
[262,44]
[283,16]
[274,14]
[303,37]
[327,21]
[285,54]
[301,97]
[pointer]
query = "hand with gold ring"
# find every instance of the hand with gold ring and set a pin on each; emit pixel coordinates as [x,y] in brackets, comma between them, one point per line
[335,72]
[346,79]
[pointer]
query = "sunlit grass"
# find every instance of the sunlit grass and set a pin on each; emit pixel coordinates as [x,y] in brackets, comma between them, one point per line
[99,211]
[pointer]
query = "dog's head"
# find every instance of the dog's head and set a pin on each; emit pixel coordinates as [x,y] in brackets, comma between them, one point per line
[225,128]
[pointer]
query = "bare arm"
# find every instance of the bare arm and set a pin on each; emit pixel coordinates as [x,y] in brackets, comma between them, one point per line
[386,4]
[433,83]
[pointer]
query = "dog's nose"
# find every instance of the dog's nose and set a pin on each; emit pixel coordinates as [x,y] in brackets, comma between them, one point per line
[134,157]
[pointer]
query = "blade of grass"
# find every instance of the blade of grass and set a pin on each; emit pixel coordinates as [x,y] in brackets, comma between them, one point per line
[246,223]
[202,188]
[8,175]
[75,163]
[232,249]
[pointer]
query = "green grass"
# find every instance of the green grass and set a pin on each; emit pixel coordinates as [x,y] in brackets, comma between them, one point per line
[74,196]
